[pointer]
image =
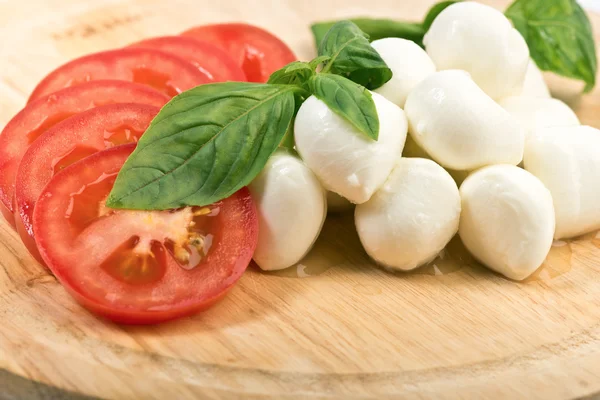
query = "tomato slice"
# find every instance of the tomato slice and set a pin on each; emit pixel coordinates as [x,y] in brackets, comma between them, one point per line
[42,114]
[162,71]
[67,142]
[139,266]
[257,51]
[210,59]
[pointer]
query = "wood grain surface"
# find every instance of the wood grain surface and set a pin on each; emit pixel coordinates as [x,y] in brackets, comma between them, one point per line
[353,331]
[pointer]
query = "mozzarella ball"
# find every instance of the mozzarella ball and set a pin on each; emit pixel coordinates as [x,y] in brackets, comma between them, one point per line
[567,161]
[534,84]
[481,40]
[409,221]
[337,204]
[409,63]
[460,126]
[291,208]
[345,160]
[507,220]
[535,113]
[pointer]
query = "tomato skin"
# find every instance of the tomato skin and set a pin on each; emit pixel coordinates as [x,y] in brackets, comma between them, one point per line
[42,114]
[157,317]
[180,293]
[257,51]
[207,57]
[86,132]
[163,71]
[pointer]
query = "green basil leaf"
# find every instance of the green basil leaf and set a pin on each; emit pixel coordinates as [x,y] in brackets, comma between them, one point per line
[435,11]
[559,36]
[295,73]
[204,145]
[297,66]
[318,61]
[376,29]
[353,56]
[349,100]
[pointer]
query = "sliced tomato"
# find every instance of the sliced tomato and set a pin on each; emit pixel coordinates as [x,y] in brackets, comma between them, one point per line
[139,266]
[70,141]
[162,71]
[210,59]
[42,114]
[257,51]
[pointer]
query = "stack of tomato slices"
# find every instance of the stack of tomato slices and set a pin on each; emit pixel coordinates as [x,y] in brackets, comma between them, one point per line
[60,155]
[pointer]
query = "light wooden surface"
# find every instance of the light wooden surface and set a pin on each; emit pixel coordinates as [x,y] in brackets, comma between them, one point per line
[351,332]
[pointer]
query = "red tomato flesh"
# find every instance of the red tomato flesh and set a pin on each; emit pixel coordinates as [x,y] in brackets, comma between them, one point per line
[257,51]
[211,60]
[163,71]
[67,142]
[139,266]
[42,114]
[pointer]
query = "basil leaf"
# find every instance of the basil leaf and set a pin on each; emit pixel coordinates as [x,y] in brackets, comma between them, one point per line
[295,73]
[353,56]
[204,145]
[435,11]
[375,28]
[314,64]
[559,36]
[349,100]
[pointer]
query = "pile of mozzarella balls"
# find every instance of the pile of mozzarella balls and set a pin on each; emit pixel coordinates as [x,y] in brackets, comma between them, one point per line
[472,109]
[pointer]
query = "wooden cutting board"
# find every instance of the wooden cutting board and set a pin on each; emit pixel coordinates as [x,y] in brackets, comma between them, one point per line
[347,330]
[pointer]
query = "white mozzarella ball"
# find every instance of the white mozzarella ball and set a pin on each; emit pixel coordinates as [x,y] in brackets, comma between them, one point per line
[291,208]
[481,40]
[337,203]
[534,84]
[507,220]
[409,221]
[409,63]
[567,161]
[535,113]
[345,160]
[459,125]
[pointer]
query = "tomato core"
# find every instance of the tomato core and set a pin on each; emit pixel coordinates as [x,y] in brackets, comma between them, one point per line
[140,259]
[121,135]
[131,266]
[156,80]
[87,204]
